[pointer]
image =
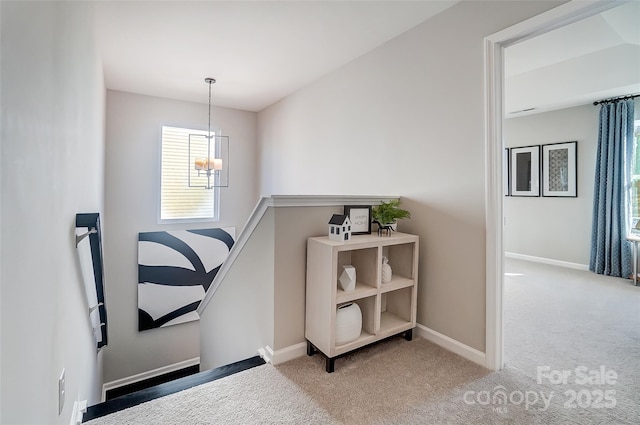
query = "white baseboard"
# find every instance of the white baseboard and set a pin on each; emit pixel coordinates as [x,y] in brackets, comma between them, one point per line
[298,350]
[146,375]
[284,354]
[289,353]
[79,407]
[266,353]
[534,259]
[452,345]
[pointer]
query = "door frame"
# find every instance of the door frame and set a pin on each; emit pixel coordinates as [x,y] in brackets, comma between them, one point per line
[494,45]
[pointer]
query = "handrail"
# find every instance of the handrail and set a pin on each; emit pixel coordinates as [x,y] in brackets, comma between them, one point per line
[280,201]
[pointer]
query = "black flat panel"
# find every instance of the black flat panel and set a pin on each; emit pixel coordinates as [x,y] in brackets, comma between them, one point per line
[151,382]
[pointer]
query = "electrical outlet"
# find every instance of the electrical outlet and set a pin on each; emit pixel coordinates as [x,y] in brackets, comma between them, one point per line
[61,392]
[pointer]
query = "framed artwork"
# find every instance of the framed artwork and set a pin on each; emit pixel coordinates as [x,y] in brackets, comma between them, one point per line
[175,269]
[505,171]
[525,171]
[559,170]
[360,216]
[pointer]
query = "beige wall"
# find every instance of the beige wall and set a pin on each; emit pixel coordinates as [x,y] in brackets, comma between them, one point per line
[239,319]
[294,225]
[133,141]
[261,301]
[52,167]
[408,119]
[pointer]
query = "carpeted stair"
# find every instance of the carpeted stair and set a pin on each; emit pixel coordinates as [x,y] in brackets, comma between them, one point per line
[147,394]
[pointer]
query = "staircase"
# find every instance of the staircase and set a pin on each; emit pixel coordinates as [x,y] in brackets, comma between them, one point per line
[171,387]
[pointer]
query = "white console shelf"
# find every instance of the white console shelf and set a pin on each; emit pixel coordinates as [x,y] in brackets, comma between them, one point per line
[387,309]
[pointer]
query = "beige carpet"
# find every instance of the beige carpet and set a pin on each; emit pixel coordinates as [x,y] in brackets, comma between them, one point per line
[400,382]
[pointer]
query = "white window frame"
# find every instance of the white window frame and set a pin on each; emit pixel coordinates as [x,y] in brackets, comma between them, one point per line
[216,190]
[635,220]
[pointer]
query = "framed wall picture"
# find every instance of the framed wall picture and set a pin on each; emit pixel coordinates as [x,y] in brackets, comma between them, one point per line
[525,171]
[360,216]
[505,171]
[559,170]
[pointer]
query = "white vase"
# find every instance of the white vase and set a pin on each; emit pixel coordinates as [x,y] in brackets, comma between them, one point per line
[348,323]
[348,278]
[387,273]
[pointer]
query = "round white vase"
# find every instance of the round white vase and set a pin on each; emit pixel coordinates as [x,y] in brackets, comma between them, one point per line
[348,323]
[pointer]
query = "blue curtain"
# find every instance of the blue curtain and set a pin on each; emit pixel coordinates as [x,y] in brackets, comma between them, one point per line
[610,251]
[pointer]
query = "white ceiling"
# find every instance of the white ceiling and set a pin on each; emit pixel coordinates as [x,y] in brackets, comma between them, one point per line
[258,51]
[592,59]
[262,51]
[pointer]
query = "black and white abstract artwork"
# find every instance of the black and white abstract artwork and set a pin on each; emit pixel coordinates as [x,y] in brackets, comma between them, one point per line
[175,269]
[559,169]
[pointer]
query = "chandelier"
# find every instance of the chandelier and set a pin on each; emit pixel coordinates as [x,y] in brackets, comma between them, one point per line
[208,156]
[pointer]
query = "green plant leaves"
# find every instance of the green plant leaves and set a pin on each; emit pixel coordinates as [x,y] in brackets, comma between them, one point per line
[389,212]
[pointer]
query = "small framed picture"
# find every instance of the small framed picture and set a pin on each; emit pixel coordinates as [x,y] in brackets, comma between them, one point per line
[360,216]
[559,170]
[525,171]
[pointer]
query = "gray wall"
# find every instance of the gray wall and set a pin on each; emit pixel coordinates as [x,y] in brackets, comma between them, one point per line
[133,142]
[52,167]
[406,119]
[554,228]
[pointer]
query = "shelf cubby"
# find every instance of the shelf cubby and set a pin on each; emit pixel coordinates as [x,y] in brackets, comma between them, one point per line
[368,308]
[364,261]
[396,312]
[401,259]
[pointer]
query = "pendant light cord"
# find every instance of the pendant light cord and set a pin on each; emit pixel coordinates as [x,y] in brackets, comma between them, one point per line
[210,82]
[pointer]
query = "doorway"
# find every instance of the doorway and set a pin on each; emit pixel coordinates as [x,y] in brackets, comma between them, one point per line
[494,88]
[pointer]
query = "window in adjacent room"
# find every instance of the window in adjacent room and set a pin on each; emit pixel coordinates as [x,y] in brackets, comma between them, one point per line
[178,201]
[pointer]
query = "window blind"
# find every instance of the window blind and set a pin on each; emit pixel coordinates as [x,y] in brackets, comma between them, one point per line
[177,199]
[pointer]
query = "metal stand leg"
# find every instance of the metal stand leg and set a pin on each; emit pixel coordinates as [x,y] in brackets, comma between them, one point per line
[311,350]
[408,335]
[330,366]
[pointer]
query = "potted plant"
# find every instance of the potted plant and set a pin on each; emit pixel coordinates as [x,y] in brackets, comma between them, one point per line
[386,214]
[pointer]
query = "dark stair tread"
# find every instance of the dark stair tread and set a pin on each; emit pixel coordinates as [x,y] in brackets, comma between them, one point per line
[138,397]
[151,382]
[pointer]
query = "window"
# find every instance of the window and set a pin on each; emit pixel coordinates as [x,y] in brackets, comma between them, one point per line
[178,201]
[635,176]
